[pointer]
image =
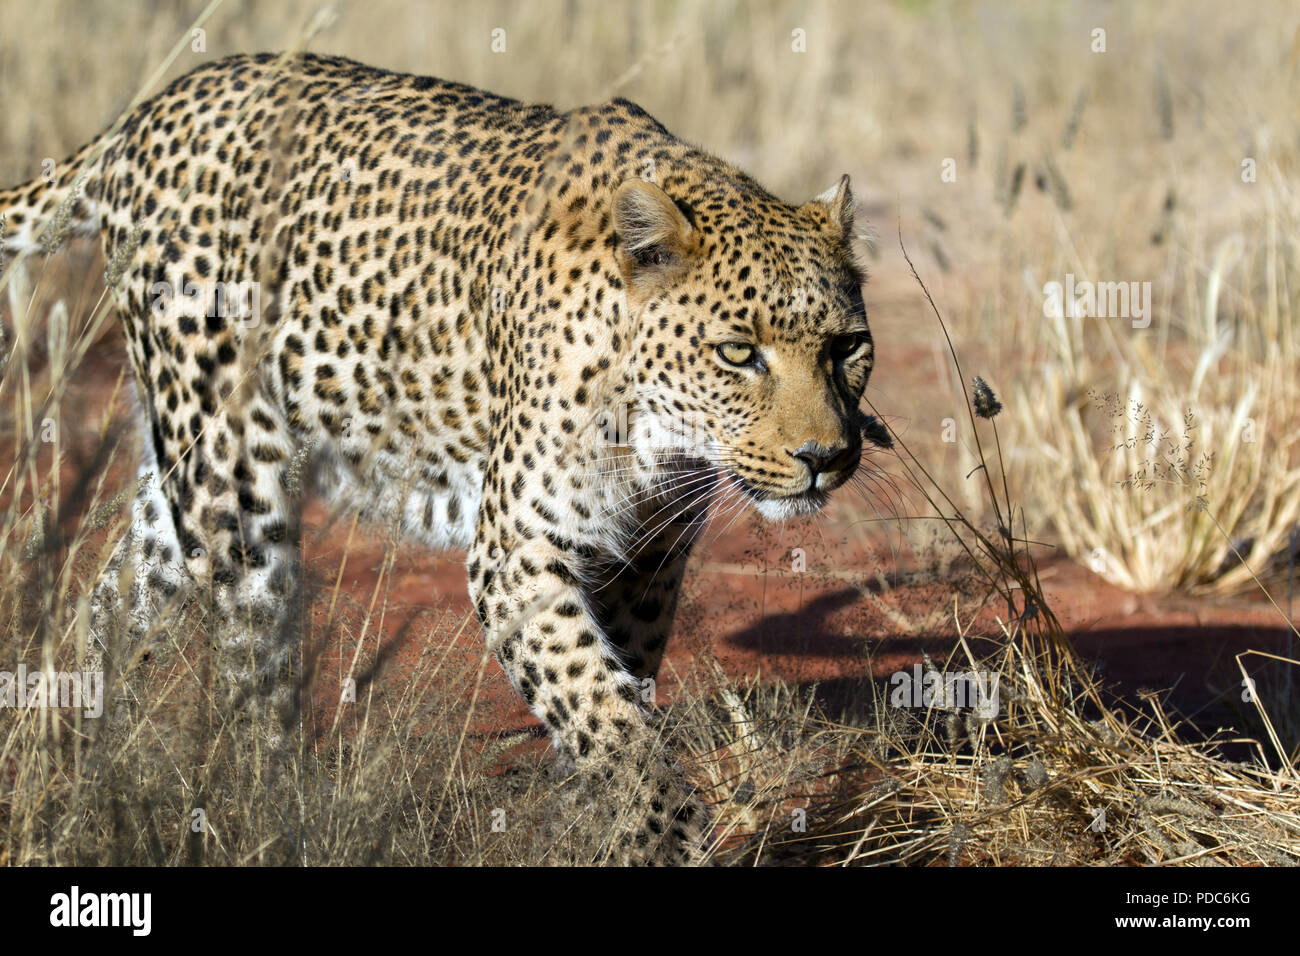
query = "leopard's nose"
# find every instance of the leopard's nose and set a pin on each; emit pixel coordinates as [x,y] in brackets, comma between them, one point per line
[819,458]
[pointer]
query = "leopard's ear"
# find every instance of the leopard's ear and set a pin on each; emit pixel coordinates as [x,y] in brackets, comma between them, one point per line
[839,204]
[654,234]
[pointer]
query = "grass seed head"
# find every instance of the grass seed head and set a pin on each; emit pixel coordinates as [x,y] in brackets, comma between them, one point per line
[985,402]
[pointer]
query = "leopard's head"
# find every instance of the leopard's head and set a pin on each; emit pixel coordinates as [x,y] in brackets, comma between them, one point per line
[752,348]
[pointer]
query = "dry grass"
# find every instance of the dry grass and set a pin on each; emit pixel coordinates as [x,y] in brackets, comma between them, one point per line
[1173,463]
[1055,779]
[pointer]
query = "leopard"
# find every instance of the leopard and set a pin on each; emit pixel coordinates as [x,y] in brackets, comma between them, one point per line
[558,339]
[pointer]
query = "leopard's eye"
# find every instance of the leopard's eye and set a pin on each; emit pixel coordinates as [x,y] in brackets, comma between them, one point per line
[737,353]
[845,346]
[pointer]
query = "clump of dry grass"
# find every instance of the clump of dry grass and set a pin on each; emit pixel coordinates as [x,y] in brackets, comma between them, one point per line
[1057,778]
[1162,470]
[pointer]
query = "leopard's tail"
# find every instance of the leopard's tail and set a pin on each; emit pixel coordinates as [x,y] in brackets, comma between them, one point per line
[37,216]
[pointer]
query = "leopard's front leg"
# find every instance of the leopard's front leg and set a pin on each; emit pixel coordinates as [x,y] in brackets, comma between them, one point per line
[529,589]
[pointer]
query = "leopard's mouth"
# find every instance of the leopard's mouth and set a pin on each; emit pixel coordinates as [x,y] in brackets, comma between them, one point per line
[776,506]
[772,502]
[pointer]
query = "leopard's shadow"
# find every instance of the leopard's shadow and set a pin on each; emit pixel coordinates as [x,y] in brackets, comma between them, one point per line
[812,631]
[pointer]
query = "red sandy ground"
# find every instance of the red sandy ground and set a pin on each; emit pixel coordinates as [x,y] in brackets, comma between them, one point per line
[743,606]
[806,628]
